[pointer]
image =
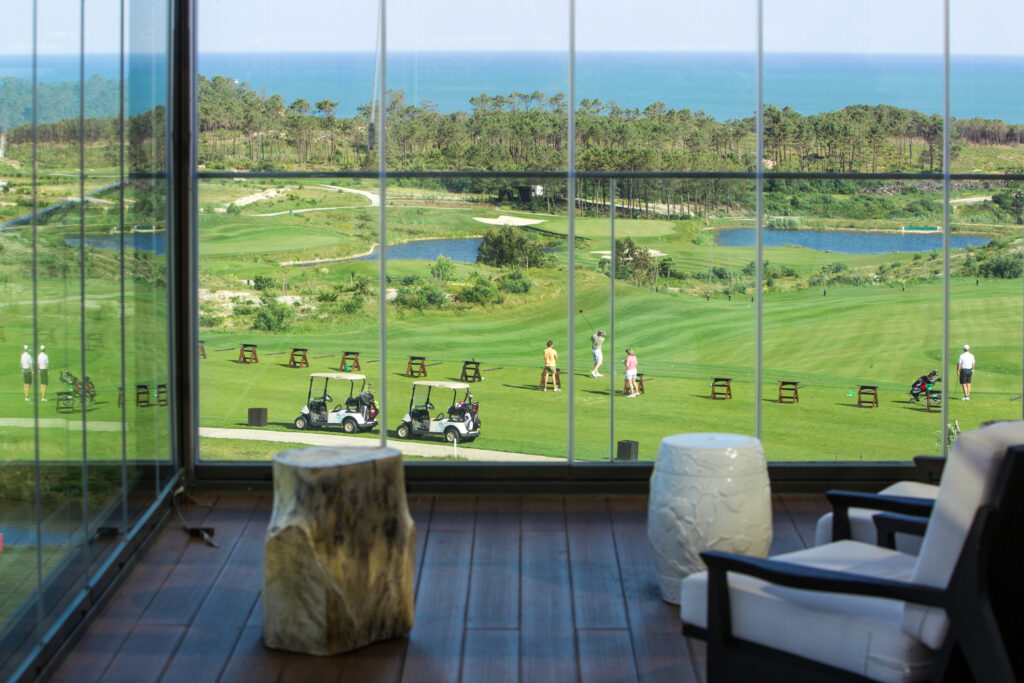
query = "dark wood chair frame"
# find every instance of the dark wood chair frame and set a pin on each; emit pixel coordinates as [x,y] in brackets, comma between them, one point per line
[983,617]
[867,395]
[721,388]
[789,392]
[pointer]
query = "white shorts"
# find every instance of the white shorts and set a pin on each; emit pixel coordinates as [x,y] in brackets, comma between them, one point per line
[598,356]
[631,374]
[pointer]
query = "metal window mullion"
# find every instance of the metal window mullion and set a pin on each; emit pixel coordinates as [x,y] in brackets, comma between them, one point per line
[945,223]
[611,328]
[759,248]
[40,613]
[571,436]
[121,198]
[81,281]
[382,228]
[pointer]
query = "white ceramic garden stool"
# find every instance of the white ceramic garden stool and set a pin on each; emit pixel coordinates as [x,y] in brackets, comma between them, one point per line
[708,492]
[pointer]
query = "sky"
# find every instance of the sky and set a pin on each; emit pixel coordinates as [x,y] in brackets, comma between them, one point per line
[850,26]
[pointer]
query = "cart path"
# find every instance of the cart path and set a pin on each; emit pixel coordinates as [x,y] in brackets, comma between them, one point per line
[429,450]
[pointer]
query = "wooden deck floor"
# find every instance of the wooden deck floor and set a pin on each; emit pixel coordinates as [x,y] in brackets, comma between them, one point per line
[509,588]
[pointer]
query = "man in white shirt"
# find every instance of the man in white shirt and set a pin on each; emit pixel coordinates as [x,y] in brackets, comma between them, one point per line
[43,365]
[965,368]
[26,370]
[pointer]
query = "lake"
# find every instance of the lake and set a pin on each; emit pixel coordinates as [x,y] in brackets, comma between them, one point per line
[153,242]
[847,242]
[460,250]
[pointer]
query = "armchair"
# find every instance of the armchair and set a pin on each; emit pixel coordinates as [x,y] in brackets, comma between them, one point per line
[852,611]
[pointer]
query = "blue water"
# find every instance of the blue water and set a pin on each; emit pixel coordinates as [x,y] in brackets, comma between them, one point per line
[460,251]
[720,84]
[846,242]
[155,242]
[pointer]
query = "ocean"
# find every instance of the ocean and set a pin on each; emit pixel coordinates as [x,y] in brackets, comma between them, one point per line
[722,85]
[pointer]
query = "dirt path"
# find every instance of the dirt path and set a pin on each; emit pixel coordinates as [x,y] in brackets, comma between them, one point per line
[424,449]
[372,196]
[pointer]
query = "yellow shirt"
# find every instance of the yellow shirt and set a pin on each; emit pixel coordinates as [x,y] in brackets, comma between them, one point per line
[550,357]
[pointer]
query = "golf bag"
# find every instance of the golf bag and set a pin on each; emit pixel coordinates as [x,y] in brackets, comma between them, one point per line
[467,411]
[81,391]
[363,404]
[923,386]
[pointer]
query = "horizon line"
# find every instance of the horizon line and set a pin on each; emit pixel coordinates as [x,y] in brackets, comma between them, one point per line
[526,52]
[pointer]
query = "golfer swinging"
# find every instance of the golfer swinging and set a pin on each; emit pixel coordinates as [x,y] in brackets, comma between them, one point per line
[965,368]
[596,340]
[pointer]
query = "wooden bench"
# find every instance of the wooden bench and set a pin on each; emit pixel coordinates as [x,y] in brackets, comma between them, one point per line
[142,396]
[350,359]
[721,388]
[417,366]
[789,392]
[545,375]
[298,359]
[65,402]
[639,384]
[471,371]
[202,349]
[867,395]
[247,354]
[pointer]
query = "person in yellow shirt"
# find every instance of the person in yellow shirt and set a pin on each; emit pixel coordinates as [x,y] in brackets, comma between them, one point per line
[550,366]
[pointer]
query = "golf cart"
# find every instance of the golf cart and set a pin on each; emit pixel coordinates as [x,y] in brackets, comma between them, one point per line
[460,423]
[357,414]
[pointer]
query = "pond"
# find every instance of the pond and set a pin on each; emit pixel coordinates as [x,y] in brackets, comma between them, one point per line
[847,242]
[153,242]
[460,250]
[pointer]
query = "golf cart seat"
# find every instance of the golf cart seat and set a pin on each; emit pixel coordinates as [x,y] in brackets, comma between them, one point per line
[421,413]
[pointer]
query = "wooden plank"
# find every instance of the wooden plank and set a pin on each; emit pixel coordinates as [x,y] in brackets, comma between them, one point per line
[660,651]
[145,653]
[606,656]
[435,643]
[420,508]
[543,513]
[217,626]
[494,577]
[785,537]
[596,584]
[491,655]
[453,513]
[804,510]
[250,662]
[381,662]
[109,631]
[182,593]
[547,643]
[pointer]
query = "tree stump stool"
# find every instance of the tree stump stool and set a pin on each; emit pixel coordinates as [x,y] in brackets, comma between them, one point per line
[545,375]
[339,555]
[789,392]
[247,354]
[298,359]
[351,359]
[142,396]
[471,371]
[639,384]
[867,395]
[202,349]
[417,366]
[721,388]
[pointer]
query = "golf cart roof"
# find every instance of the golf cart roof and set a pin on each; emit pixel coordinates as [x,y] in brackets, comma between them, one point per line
[339,375]
[440,385]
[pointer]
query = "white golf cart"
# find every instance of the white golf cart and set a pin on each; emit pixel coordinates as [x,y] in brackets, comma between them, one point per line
[357,414]
[460,423]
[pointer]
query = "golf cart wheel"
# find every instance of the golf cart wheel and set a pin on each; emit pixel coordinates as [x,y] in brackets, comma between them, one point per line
[301,422]
[403,431]
[348,425]
[451,435]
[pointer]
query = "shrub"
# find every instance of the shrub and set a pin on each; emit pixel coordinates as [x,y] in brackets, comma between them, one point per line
[508,246]
[234,209]
[262,283]
[480,290]
[327,296]
[443,270]
[419,297]
[1002,266]
[351,306]
[514,282]
[272,316]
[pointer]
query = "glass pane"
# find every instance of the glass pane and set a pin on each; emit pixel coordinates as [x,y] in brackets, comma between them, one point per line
[851,300]
[985,290]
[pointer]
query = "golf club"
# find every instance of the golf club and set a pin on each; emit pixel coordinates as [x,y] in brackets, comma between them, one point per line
[587,320]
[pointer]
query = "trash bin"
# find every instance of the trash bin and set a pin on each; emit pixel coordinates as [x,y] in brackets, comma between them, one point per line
[257,417]
[628,450]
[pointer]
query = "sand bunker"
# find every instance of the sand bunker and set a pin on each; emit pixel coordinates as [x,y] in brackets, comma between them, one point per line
[508,220]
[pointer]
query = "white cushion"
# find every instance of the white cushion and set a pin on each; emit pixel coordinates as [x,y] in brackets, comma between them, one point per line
[862,525]
[856,633]
[968,480]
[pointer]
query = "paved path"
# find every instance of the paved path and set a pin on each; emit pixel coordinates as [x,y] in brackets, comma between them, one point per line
[970,200]
[426,449]
[372,196]
[73,425]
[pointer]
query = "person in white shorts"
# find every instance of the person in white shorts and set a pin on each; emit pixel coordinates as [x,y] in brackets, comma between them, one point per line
[596,340]
[26,370]
[965,368]
[43,367]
